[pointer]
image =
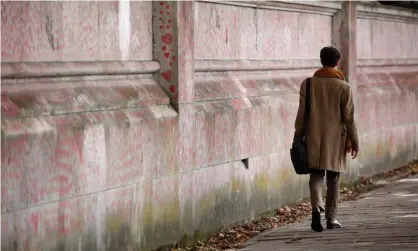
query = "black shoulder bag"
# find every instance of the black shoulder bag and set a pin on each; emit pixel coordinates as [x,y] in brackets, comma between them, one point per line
[299,153]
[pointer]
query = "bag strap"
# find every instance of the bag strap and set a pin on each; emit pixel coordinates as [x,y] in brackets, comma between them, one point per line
[307,105]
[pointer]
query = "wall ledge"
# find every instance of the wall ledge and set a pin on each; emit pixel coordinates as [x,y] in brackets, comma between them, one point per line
[218,86]
[385,13]
[117,94]
[379,62]
[63,69]
[323,8]
[14,127]
[254,65]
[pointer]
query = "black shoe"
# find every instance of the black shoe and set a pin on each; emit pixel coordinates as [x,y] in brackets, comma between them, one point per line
[333,224]
[316,222]
[321,210]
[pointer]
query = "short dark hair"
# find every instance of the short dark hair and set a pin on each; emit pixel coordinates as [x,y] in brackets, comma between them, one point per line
[330,56]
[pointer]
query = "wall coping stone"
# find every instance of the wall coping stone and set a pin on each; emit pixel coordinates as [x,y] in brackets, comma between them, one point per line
[366,10]
[255,65]
[62,69]
[386,13]
[379,62]
[119,94]
[321,8]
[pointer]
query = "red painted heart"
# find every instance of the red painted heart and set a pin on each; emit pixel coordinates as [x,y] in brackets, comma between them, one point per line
[172,88]
[167,38]
[167,75]
[167,54]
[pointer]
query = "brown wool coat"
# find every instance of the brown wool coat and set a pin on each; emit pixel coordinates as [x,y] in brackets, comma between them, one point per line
[331,123]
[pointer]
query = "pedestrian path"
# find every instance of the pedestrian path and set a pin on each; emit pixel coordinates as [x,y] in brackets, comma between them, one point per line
[384,219]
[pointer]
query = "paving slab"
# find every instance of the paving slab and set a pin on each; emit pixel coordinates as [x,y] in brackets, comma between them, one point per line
[384,219]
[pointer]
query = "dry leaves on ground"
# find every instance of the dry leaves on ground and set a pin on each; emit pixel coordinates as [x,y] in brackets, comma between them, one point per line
[228,239]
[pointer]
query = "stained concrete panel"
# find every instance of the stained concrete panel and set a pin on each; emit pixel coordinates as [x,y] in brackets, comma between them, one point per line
[236,129]
[386,100]
[97,221]
[85,156]
[237,32]
[386,39]
[224,32]
[382,149]
[76,31]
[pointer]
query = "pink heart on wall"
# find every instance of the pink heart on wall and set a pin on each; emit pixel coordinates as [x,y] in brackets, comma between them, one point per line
[167,38]
[172,88]
[167,75]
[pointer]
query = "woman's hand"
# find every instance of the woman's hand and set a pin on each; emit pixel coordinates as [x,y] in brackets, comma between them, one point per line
[348,146]
[354,153]
[349,149]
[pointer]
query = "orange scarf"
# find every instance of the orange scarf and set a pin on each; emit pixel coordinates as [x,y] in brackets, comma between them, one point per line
[329,72]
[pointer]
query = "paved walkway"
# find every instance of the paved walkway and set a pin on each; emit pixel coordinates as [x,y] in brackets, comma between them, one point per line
[385,219]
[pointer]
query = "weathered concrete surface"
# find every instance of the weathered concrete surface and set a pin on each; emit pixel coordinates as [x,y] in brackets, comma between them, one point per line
[76,31]
[385,219]
[260,33]
[112,142]
[106,95]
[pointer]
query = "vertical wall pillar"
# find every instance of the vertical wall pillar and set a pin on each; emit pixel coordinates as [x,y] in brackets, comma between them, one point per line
[344,38]
[173,35]
[173,47]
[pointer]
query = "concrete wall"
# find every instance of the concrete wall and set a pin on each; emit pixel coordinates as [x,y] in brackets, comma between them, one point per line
[134,125]
[387,79]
